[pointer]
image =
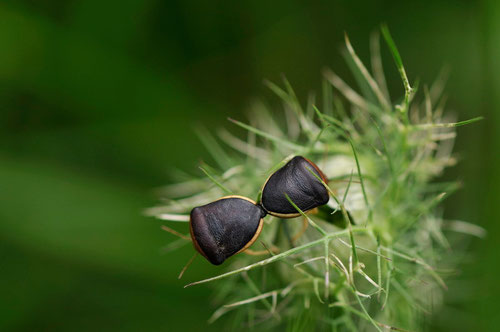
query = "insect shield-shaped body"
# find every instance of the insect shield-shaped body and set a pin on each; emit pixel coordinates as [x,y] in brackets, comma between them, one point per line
[295,180]
[225,227]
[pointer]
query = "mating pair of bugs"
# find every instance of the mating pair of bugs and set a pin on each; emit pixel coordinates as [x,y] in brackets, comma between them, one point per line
[231,224]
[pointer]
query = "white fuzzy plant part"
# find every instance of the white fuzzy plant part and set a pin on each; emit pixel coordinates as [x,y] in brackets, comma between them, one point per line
[381,264]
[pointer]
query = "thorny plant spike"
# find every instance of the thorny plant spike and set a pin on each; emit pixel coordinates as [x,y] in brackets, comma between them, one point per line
[376,256]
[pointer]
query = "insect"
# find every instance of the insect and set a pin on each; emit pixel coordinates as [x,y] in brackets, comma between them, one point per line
[231,224]
[297,181]
[225,227]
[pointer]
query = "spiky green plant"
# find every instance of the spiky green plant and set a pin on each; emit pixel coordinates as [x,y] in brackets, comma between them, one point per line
[377,259]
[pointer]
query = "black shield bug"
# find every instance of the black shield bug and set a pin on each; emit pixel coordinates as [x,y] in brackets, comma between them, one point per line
[231,224]
[225,227]
[295,180]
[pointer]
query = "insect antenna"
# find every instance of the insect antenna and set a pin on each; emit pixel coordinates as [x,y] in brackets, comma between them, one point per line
[188,264]
[174,232]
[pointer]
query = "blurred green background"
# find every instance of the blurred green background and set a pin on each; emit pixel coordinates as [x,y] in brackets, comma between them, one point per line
[98,100]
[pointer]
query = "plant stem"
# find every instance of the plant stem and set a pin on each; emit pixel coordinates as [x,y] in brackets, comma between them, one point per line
[279,256]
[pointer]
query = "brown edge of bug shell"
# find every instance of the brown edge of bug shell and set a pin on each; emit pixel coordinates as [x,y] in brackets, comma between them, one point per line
[292,215]
[246,246]
[321,174]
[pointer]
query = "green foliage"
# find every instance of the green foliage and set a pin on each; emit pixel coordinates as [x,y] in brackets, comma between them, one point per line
[384,267]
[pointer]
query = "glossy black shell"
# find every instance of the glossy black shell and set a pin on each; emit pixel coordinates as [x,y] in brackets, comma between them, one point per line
[222,228]
[303,188]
